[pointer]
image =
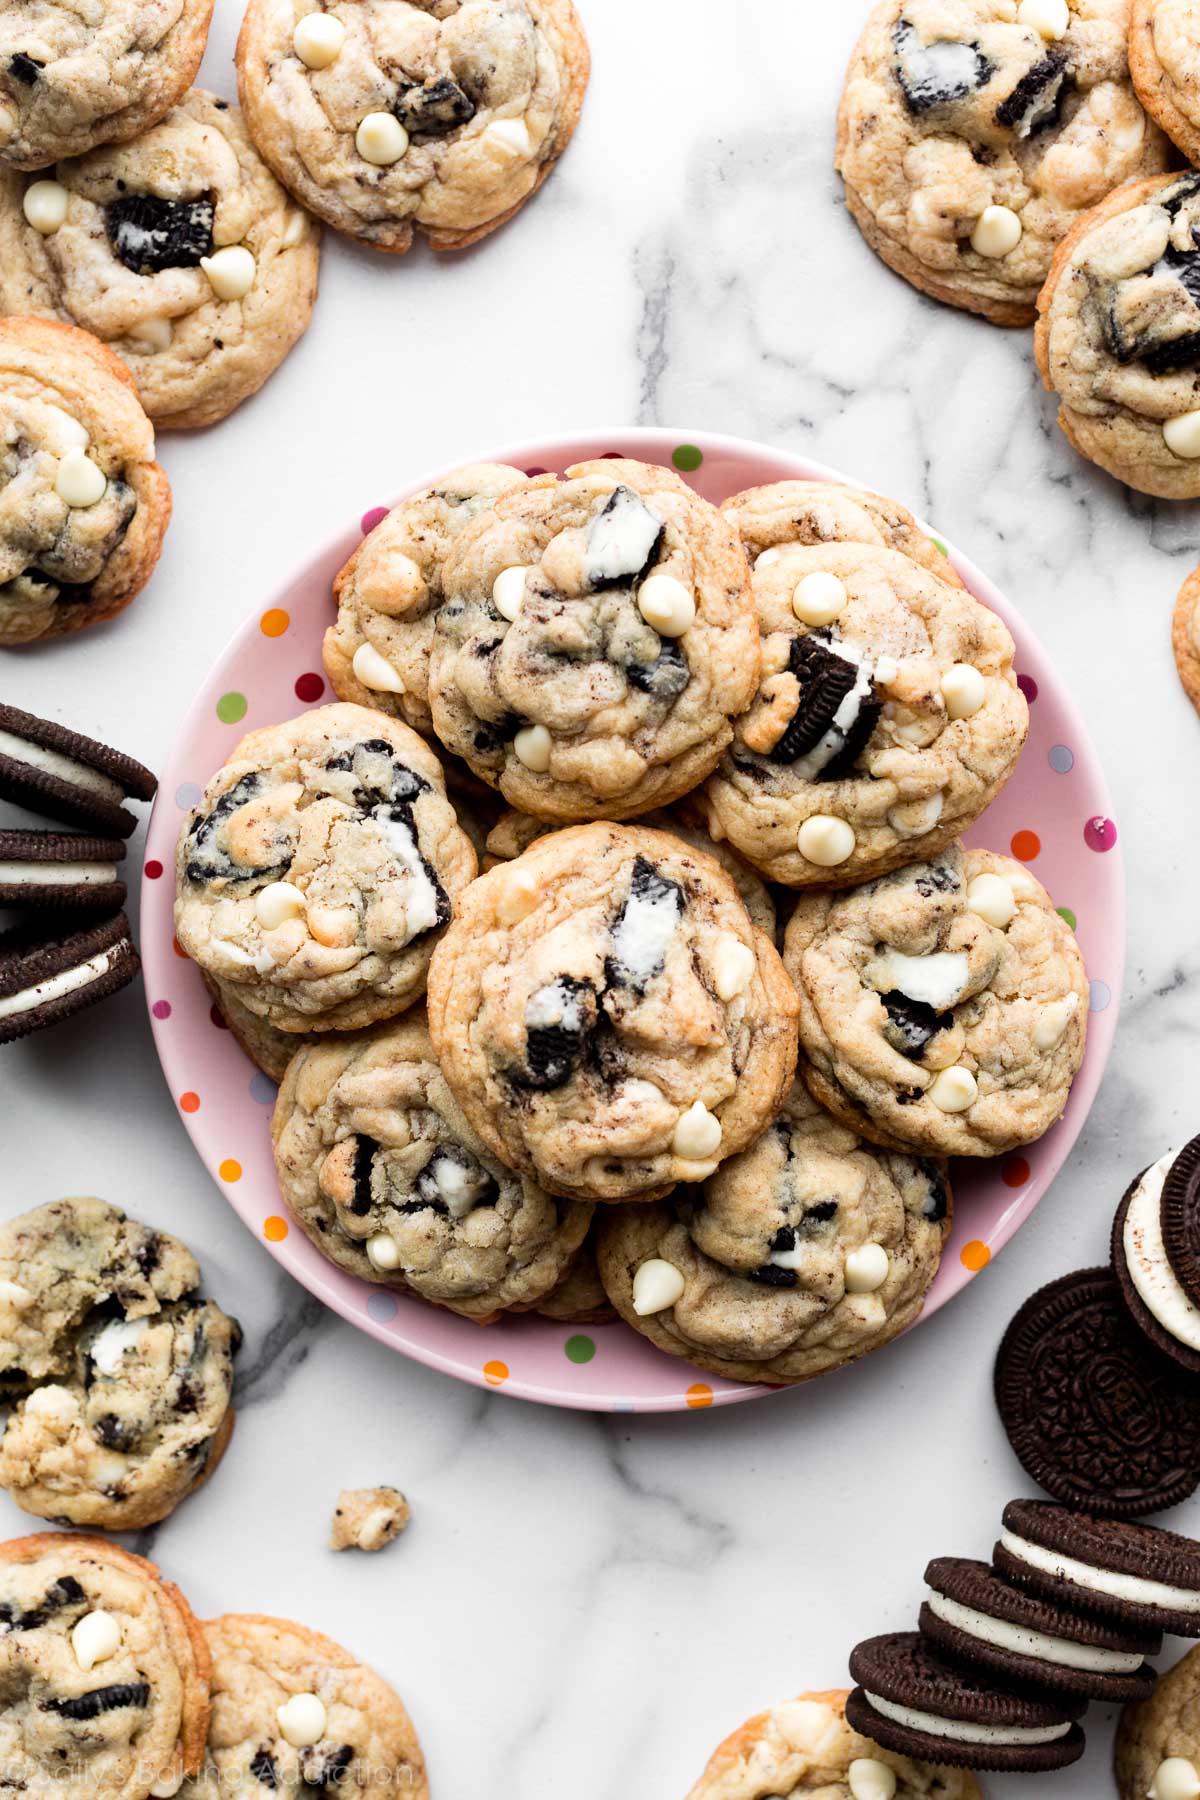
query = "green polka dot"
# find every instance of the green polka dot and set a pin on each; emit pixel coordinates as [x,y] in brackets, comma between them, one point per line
[1064,912]
[231,708]
[938,545]
[687,458]
[580,1349]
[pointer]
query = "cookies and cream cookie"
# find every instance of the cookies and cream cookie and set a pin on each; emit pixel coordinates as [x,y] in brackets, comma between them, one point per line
[608,1016]
[389,117]
[1185,637]
[72,78]
[83,504]
[378,1162]
[120,1374]
[368,1519]
[973,133]
[597,637]
[805,1746]
[388,593]
[783,513]
[943,1008]
[104,1672]
[318,867]
[808,1250]
[295,1714]
[1118,338]
[887,717]
[179,249]
[1164,60]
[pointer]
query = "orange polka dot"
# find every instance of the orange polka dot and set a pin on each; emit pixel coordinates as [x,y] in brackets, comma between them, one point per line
[976,1256]
[275,1229]
[178,948]
[699,1394]
[274,623]
[230,1170]
[495,1373]
[1026,845]
[189,1102]
[1016,1172]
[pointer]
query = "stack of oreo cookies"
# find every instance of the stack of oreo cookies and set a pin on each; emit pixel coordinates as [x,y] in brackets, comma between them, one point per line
[75,947]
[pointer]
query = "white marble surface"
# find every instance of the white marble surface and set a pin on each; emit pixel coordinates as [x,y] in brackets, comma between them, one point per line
[585,1605]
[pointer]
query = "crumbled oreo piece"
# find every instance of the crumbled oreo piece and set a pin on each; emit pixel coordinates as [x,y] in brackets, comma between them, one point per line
[263,1769]
[559,1021]
[1141,1575]
[622,542]
[665,677]
[102,1700]
[938,1204]
[360,1176]
[642,931]
[910,1023]
[58,869]
[937,74]
[1037,98]
[149,234]
[454,1182]
[1154,317]
[380,778]
[827,679]
[47,976]
[64,775]
[207,858]
[435,109]
[25,69]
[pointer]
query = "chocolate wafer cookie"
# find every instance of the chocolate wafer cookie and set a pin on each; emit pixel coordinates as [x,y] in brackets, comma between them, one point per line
[60,869]
[1154,1255]
[59,772]
[45,977]
[1141,1575]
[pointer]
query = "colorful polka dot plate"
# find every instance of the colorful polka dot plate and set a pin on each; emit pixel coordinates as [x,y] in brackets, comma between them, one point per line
[1054,815]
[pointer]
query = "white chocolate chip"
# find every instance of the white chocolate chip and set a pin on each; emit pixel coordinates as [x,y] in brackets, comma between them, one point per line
[381,139]
[383,1252]
[867,1269]
[45,205]
[913,818]
[997,231]
[375,671]
[733,966]
[278,902]
[230,271]
[656,1285]
[302,1720]
[294,231]
[767,558]
[1051,19]
[870,1779]
[825,841]
[68,433]
[518,897]
[508,591]
[317,39]
[886,670]
[152,335]
[697,1133]
[1175,1779]
[533,746]
[819,598]
[14,1295]
[1053,1022]
[666,605]
[992,899]
[1183,435]
[95,1638]
[80,481]
[964,690]
[954,1090]
[512,133]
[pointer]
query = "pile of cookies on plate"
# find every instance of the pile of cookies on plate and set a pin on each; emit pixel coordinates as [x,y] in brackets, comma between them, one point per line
[159,247]
[1021,159]
[738,747]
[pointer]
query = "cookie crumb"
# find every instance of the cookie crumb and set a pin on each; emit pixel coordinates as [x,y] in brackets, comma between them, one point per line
[368,1518]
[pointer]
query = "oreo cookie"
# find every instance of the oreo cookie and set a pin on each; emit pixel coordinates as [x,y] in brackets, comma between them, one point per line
[1164,1306]
[1140,1575]
[60,869]
[61,773]
[973,1615]
[1093,1414]
[917,1703]
[45,977]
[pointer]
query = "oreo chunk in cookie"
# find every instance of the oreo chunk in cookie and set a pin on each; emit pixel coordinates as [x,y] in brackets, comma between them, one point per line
[936,74]
[60,869]
[64,775]
[149,234]
[974,1616]
[1094,1415]
[1156,1254]
[1140,1575]
[560,1020]
[45,977]
[912,1700]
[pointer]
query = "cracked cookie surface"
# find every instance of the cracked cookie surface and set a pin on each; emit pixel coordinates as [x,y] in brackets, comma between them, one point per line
[318,867]
[119,1708]
[943,1007]
[597,639]
[608,1016]
[970,143]
[178,249]
[1164,60]
[83,504]
[887,717]
[72,77]
[389,117]
[379,1164]
[122,1377]
[778,1253]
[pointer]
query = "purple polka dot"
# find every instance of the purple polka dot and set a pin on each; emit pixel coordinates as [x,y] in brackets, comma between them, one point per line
[382,1308]
[1061,759]
[1099,996]
[187,795]
[1099,834]
[262,1089]
[161,1009]
[1028,687]
[371,518]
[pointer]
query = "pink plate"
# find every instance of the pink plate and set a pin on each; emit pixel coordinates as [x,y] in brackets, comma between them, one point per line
[1055,815]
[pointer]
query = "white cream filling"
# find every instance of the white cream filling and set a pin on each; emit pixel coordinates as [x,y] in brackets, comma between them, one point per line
[53,762]
[420,901]
[1102,1581]
[108,1349]
[1149,1266]
[936,980]
[59,874]
[55,986]
[964,1731]
[1023,1641]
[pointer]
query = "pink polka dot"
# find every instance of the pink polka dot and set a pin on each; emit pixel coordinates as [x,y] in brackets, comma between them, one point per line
[371,518]
[309,687]
[161,1009]
[1099,834]
[1028,687]
[152,870]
